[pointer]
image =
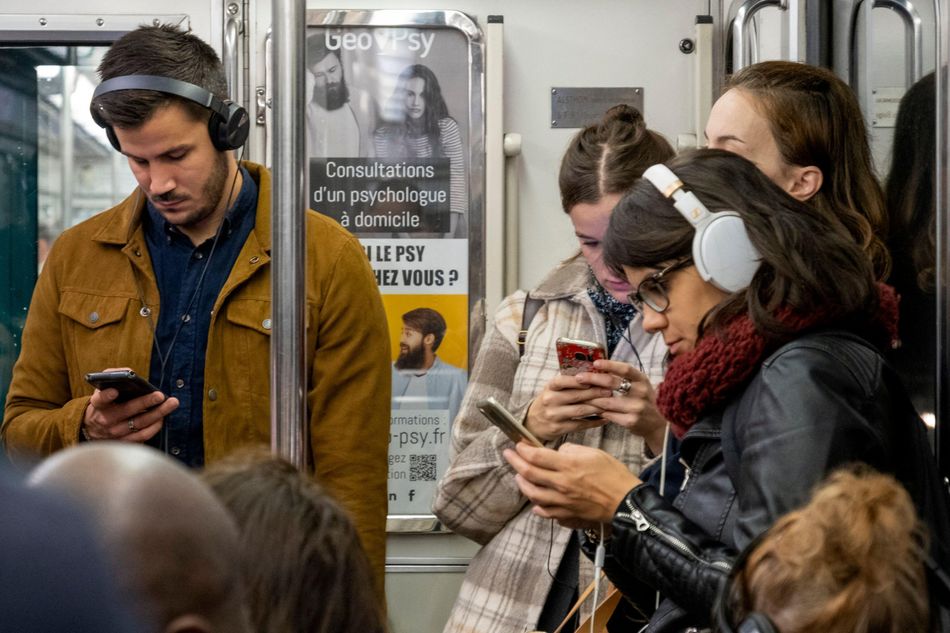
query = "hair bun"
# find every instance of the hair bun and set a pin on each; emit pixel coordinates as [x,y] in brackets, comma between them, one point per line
[624,113]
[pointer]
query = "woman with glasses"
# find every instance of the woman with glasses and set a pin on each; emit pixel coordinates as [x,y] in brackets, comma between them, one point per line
[772,385]
[526,574]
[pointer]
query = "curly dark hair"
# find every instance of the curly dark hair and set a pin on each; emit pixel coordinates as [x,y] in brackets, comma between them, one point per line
[435,106]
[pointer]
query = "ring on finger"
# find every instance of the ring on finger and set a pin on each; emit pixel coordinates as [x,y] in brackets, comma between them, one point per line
[624,387]
[132,427]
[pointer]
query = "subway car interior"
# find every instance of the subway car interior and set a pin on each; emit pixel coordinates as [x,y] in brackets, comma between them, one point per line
[464,216]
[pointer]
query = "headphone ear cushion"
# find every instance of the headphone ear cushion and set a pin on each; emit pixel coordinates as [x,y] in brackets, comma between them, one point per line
[113,139]
[723,253]
[218,132]
[239,125]
[230,133]
[110,133]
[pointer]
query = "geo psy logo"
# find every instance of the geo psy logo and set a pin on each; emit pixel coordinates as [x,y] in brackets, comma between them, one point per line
[384,39]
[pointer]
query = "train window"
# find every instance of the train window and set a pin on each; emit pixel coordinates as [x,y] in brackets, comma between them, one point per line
[56,167]
[79,172]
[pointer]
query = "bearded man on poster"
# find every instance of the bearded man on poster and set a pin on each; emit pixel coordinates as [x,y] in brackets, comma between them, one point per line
[422,380]
[332,129]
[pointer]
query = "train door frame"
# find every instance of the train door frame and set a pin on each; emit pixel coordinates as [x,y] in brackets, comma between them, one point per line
[52,23]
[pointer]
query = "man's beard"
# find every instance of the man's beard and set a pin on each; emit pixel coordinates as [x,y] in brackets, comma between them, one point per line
[211,193]
[413,358]
[332,95]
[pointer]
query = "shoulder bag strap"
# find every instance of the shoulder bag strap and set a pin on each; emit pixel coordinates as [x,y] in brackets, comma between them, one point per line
[531,307]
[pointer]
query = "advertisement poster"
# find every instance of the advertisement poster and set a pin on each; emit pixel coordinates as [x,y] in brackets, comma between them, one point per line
[388,148]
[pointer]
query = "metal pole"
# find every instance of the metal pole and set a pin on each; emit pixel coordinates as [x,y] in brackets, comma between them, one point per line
[289,427]
[495,226]
[942,185]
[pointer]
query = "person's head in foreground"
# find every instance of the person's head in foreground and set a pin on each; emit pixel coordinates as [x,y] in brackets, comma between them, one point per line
[173,545]
[850,561]
[302,561]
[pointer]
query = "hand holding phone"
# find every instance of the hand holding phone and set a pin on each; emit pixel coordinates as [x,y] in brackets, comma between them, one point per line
[576,356]
[510,426]
[129,384]
[136,414]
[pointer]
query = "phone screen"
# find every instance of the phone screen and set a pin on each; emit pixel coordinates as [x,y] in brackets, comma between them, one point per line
[129,384]
[500,417]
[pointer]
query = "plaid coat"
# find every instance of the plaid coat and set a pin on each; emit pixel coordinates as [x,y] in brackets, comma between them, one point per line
[509,578]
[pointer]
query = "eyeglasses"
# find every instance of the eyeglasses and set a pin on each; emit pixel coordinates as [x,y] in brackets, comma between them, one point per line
[651,290]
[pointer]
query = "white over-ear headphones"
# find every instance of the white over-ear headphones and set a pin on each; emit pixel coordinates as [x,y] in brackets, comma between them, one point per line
[723,254]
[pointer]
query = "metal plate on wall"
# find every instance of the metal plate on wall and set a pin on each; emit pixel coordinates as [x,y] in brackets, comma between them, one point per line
[886,102]
[577,107]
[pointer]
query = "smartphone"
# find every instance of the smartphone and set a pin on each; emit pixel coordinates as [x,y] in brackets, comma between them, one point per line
[129,384]
[500,417]
[574,356]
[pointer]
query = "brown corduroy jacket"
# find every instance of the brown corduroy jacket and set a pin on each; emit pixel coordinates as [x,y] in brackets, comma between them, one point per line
[87,314]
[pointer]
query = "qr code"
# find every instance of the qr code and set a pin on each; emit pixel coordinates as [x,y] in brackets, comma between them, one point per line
[422,468]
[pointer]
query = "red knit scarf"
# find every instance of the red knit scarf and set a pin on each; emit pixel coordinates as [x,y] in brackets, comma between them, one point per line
[723,362]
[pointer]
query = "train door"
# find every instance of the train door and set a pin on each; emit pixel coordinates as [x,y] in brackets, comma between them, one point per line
[56,166]
[881,48]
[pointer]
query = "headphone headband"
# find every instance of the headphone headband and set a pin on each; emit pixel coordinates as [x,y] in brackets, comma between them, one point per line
[228,126]
[669,184]
[167,85]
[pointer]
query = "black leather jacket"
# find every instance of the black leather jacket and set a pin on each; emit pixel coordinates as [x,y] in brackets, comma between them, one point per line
[821,401]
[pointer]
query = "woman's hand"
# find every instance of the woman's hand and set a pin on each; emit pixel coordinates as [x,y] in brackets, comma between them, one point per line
[557,410]
[579,486]
[635,409]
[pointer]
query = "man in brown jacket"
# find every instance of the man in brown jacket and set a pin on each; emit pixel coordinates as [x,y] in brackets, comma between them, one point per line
[174,283]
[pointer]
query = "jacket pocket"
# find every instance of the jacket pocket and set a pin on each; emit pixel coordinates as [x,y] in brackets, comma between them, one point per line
[251,314]
[245,348]
[100,332]
[92,311]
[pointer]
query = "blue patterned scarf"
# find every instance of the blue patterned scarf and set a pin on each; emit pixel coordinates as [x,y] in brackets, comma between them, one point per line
[617,316]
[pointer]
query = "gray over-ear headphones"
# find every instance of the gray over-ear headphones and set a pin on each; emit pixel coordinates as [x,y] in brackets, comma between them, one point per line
[228,126]
[723,254]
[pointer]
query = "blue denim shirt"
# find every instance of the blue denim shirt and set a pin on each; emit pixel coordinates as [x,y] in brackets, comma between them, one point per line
[189,280]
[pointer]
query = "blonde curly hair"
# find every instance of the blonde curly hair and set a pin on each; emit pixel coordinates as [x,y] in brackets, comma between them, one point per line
[851,561]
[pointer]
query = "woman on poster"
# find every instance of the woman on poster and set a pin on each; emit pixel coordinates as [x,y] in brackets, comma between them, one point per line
[424,129]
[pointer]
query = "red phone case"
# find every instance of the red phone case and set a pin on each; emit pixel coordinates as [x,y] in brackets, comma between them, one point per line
[575,356]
